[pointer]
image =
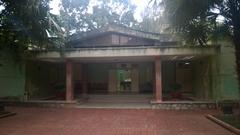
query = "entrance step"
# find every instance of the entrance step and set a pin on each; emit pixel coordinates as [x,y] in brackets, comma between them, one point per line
[119,98]
[108,105]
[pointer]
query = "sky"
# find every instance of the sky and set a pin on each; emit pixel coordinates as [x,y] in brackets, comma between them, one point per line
[140,4]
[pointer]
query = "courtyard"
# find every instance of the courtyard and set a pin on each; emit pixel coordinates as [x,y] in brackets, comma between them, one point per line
[76,121]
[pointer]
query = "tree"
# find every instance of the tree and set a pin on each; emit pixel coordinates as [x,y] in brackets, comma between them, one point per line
[198,19]
[81,16]
[25,24]
[153,19]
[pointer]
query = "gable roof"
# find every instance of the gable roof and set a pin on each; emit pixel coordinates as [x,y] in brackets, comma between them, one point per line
[123,31]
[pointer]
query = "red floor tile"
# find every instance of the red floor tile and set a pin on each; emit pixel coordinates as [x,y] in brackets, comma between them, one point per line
[65,121]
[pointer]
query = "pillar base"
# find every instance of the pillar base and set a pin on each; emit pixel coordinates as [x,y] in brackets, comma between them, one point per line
[154,101]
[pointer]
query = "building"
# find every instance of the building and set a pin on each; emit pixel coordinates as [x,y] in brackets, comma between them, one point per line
[116,60]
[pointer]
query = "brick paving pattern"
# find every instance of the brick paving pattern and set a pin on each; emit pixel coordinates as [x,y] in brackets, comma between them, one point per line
[74,121]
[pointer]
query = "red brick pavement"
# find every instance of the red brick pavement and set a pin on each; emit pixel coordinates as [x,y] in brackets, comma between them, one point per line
[66,121]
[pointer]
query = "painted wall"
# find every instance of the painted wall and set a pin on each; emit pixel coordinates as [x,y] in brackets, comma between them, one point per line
[44,79]
[202,78]
[12,79]
[225,73]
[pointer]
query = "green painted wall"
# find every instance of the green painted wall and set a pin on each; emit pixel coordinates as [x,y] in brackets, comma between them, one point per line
[12,79]
[226,73]
[215,76]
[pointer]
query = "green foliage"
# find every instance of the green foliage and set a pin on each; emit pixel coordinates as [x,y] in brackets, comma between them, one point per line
[84,16]
[196,32]
[29,17]
[197,20]
[153,19]
[24,24]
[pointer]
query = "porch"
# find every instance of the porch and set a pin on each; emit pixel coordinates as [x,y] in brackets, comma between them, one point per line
[169,78]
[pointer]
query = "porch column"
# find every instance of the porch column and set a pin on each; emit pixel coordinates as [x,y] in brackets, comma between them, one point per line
[112,81]
[69,81]
[84,80]
[158,79]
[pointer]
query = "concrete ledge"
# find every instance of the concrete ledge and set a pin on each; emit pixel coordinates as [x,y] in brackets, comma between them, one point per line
[6,114]
[125,52]
[183,105]
[36,103]
[184,102]
[224,124]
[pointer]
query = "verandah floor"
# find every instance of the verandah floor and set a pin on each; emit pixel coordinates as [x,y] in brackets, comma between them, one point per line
[72,121]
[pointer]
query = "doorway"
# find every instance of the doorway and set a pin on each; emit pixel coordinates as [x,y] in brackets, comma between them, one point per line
[124,80]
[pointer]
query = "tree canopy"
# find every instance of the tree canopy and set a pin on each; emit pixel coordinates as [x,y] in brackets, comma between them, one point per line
[153,19]
[199,20]
[24,25]
[81,16]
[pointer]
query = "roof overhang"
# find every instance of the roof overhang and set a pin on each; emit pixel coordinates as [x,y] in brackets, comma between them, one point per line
[108,52]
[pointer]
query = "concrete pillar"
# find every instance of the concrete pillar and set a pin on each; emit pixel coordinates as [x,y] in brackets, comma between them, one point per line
[135,80]
[112,81]
[69,81]
[84,80]
[158,79]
